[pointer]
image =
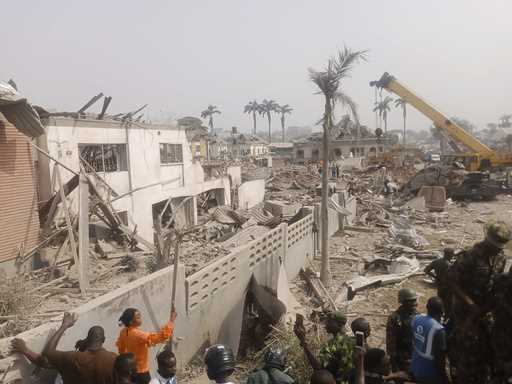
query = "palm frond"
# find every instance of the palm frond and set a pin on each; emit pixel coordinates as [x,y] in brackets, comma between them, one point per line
[346,101]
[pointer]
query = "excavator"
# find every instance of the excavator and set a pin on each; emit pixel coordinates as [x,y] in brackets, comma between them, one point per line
[476,157]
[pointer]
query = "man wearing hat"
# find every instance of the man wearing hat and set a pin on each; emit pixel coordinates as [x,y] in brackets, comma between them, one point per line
[473,276]
[335,355]
[398,330]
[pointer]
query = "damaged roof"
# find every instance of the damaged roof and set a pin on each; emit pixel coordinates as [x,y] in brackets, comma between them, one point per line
[19,112]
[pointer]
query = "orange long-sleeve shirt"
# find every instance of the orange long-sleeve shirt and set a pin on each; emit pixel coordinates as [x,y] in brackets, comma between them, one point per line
[132,339]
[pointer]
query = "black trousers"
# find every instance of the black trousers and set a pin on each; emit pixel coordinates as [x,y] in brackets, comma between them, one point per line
[141,378]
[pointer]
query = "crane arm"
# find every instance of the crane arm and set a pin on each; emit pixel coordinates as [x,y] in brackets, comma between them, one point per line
[441,121]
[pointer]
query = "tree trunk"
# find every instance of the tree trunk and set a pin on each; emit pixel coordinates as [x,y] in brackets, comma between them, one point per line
[325,270]
[269,130]
[385,125]
[211,125]
[282,127]
[405,117]
[254,121]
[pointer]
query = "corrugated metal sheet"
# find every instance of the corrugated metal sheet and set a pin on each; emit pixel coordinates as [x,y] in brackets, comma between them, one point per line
[19,221]
[19,112]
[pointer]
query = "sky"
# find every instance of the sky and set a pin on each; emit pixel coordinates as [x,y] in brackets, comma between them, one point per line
[181,56]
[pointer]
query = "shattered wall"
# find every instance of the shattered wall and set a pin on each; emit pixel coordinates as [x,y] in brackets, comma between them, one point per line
[251,193]
[210,302]
[19,220]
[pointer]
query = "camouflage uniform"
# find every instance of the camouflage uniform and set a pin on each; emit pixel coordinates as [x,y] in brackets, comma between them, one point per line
[502,327]
[399,339]
[474,273]
[336,357]
[441,267]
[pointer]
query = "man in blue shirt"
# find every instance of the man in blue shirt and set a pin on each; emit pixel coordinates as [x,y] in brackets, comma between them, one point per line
[429,345]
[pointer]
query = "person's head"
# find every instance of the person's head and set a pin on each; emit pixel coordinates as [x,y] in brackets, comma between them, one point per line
[94,340]
[322,376]
[131,317]
[166,364]
[335,323]
[275,358]
[361,325]
[497,234]
[220,363]
[448,253]
[125,365]
[376,361]
[435,307]
[408,299]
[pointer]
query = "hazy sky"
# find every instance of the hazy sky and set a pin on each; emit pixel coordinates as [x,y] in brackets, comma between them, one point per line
[180,56]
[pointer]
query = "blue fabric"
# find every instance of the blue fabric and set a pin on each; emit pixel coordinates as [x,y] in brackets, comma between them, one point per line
[424,329]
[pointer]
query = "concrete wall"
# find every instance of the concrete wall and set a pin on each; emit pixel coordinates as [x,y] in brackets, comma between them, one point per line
[210,302]
[144,167]
[251,193]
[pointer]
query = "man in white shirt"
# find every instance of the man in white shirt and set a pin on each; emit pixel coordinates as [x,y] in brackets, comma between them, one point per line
[166,372]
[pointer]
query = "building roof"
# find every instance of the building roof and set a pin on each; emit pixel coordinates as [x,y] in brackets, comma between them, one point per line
[281,145]
[245,139]
[19,112]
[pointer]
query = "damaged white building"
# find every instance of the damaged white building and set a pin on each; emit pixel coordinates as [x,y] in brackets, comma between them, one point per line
[144,164]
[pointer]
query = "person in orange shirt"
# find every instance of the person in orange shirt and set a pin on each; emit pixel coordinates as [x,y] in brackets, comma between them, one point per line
[132,339]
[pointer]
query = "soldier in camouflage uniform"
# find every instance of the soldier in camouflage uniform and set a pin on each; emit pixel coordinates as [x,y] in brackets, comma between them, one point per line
[438,270]
[472,277]
[399,331]
[336,355]
[502,329]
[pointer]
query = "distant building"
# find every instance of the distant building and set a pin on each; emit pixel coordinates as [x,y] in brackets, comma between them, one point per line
[219,149]
[310,148]
[198,139]
[244,146]
[281,150]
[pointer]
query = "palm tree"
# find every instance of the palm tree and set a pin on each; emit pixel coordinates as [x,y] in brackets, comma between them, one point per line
[266,108]
[208,114]
[328,82]
[252,107]
[508,140]
[383,107]
[283,110]
[402,104]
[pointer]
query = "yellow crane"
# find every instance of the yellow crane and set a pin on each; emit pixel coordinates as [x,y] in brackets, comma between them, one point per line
[479,155]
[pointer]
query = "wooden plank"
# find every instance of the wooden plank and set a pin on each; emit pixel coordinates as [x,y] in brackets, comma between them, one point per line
[83,228]
[71,235]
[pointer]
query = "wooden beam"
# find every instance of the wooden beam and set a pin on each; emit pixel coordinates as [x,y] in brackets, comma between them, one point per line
[71,235]
[83,228]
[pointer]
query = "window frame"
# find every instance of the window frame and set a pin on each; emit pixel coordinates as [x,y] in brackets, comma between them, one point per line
[121,161]
[178,160]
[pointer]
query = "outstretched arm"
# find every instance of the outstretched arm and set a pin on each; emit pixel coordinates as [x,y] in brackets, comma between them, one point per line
[67,322]
[19,346]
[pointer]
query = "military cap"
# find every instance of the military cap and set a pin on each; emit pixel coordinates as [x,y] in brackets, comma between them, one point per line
[337,316]
[497,233]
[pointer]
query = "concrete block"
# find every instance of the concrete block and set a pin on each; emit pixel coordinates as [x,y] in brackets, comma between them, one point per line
[251,193]
[417,203]
[435,197]
[235,173]
[279,208]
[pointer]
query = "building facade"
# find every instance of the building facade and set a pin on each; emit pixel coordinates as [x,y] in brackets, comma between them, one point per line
[19,220]
[310,149]
[153,161]
[245,146]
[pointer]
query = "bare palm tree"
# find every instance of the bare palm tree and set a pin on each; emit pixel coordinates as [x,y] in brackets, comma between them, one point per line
[328,82]
[283,110]
[401,103]
[252,107]
[208,114]
[383,107]
[267,107]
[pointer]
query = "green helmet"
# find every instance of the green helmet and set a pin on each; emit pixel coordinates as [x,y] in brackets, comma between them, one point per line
[337,316]
[406,294]
[497,233]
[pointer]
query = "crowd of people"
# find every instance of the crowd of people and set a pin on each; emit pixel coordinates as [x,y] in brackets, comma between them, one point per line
[462,338]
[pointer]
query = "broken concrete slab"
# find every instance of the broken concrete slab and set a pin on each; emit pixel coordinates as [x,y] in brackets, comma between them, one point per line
[251,193]
[280,208]
[416,203]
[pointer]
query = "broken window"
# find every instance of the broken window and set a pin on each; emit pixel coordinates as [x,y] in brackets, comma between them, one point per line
[105,157]
[171,153]
[300,154]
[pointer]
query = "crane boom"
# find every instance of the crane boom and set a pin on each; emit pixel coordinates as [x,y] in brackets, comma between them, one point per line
[441,121]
